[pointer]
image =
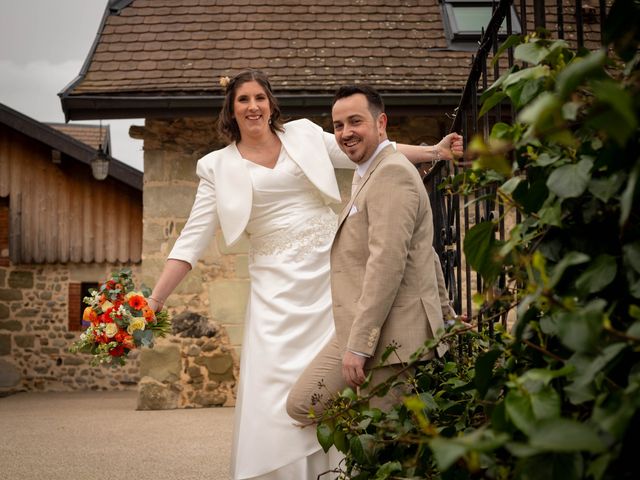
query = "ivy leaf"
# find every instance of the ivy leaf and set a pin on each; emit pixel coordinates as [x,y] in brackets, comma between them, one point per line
[605,188]
[484,371]
[510,185]
[325,436]
[541,112]
[631,253]
[611,93]
[578,70]
[531,52]
[551,466]
[580,329]
[480,247]
[626,199]
[387,469]
[363,448]
[519,410]
[340,441]
[447,452]
[570,259]
[598,275]
[546,403]
[491,102]
[564,435]
[570,181]
[508,43]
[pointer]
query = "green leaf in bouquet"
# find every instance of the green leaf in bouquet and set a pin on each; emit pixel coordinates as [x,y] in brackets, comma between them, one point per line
[143,338]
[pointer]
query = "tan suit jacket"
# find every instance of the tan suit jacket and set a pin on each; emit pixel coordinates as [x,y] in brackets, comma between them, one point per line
[384,276]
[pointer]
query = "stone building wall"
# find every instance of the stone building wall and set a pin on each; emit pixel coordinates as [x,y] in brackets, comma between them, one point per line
[34,334]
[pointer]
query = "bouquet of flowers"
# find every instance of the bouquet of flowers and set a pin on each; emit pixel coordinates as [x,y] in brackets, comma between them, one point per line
[120,321]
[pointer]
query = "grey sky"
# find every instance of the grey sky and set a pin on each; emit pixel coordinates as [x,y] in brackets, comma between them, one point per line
[43,44]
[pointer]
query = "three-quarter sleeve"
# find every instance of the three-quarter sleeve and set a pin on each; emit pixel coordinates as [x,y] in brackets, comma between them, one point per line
[201,226]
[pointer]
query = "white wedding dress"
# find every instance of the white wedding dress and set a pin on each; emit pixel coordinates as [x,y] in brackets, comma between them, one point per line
[288,321]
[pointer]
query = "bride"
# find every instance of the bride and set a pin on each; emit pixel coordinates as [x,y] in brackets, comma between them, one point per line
[275,182]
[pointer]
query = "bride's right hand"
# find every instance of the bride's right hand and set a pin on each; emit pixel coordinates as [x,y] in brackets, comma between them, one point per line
[154,304]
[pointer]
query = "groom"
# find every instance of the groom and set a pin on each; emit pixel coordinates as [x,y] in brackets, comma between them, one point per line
[384,276]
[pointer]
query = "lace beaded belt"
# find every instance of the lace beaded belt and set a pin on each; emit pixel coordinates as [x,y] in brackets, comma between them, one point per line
[303,239]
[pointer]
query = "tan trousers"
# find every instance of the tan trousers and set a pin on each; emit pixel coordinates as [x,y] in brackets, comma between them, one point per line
[323,379]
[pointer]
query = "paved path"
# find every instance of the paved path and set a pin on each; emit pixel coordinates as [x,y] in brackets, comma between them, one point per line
[100,436]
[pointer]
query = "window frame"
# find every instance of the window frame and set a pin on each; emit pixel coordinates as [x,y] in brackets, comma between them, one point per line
[467,40]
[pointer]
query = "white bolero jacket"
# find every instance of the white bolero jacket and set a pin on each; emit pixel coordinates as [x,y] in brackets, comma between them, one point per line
[225,192]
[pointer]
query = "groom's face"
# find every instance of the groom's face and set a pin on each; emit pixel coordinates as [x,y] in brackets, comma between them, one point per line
[358,132]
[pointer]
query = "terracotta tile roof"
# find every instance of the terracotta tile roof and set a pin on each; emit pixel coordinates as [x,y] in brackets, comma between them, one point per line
[305,46]
[92,135]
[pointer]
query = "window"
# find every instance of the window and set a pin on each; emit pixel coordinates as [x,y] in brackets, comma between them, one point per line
[77,291]
[464,21]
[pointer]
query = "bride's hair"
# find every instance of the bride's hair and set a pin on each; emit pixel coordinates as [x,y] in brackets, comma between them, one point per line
[227,125]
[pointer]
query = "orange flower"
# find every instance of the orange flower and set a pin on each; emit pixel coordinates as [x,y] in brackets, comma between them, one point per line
[148,314]
[127,342]
[89,315]
[137,302]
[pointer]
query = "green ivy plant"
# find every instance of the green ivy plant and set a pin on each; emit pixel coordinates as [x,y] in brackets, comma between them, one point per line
[558,395]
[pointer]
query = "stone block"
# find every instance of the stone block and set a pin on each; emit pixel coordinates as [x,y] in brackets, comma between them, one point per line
[210,399]
[21,279]
[4,311]
[9,374]
[3,275]
[241,246]
[25,341]
[192,283]
[162,363]
[75,360]
[154,395]
[12,325]
[219,366]
[5,344]
[154,170]
[228,300]
[194,371]
[235,333]
[28,312]
[9,295]
[242,266]
[164,201]
[183,169]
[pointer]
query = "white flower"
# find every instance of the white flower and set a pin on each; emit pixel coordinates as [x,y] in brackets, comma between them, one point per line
[106,305]
[110,330]
[137,323]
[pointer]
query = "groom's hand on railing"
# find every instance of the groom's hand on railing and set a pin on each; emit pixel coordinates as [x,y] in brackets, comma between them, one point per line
[451,147]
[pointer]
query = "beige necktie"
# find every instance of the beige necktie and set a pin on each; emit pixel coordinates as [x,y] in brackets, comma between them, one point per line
[355,182]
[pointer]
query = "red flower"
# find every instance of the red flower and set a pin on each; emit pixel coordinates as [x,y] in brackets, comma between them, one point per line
[137,302]
[110,285]
[117,351]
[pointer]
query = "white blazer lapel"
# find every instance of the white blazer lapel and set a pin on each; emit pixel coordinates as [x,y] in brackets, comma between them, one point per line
[303,141]
[234,192]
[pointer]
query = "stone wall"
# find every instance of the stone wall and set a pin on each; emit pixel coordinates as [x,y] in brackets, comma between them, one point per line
[186,373]
[34,334]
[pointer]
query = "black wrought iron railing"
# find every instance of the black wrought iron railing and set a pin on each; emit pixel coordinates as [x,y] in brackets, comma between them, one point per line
[580,24]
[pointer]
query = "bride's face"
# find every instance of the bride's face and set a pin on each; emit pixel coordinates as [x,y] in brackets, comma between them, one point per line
[251,109]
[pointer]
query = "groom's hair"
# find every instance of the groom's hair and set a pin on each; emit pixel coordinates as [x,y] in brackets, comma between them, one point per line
[374,100]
